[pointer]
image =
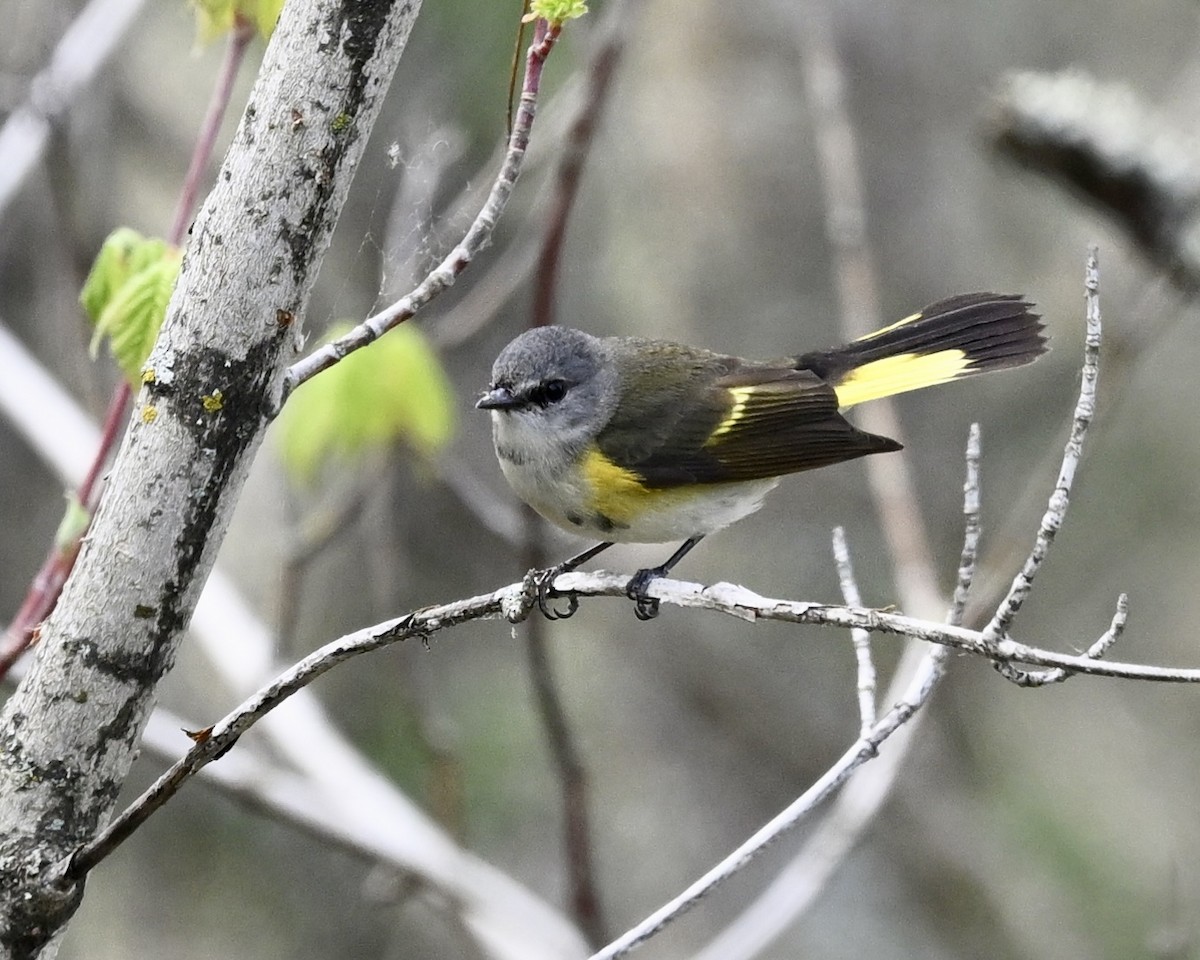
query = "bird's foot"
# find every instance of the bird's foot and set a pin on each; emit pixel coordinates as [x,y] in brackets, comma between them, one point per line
[644,607]
[543,583]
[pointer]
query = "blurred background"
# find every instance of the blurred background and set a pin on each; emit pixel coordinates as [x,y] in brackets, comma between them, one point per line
[1058,823]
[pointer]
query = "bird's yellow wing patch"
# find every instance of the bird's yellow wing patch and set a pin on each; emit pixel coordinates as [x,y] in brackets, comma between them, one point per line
[741,398]
[892,375]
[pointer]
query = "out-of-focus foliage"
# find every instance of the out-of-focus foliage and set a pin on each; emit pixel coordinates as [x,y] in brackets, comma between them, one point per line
[394,389]
[217,17]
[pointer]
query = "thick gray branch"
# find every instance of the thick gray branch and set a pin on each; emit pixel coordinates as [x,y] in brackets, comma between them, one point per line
[69,733]
[1104,145]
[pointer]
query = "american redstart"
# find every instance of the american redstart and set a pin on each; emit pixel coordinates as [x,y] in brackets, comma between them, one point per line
[644,441]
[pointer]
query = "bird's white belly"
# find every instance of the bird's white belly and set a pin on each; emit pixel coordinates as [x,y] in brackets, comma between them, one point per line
[545,476]
[565,498]
[694,511]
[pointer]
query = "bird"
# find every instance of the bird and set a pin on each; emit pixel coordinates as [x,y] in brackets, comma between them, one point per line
[637,440]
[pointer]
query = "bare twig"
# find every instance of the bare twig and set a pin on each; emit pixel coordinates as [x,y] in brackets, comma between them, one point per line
[860,638]
[1040,678]
[1056,510]
[477,237]
[84,48]
[862,750]
[971,529]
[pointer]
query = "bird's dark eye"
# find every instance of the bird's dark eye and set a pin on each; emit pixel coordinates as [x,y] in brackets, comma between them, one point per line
[549,392]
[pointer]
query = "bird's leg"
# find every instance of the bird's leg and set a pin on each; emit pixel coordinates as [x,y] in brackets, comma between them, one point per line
[646,608]
[543,579]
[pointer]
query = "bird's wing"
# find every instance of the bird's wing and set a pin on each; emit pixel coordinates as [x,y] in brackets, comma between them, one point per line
[753,422]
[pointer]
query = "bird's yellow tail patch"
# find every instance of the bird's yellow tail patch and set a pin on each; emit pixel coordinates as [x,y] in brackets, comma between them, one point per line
[899,374]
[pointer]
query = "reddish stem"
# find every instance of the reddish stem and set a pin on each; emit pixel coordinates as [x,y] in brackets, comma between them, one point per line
[47,584]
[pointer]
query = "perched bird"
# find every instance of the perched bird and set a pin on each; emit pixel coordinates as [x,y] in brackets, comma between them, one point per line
[631,440]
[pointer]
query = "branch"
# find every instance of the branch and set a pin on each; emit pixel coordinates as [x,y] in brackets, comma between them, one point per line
[479,235]
[353,803]
[516,601]
[1056,511]
[1106,147]
[862,750]
[861,639]
[70,732]
[86,45]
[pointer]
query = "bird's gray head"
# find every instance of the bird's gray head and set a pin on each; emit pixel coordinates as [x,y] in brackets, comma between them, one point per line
[552,379]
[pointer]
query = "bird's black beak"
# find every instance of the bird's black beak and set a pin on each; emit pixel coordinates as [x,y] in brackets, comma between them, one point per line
[499,398]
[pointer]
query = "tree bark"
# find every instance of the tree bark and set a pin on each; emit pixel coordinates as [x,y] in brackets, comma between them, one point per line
[69,734]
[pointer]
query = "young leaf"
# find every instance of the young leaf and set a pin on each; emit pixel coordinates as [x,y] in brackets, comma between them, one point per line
[215,18]
[126,295]
[73,525]
[124,252]
[266,13]
[394,389]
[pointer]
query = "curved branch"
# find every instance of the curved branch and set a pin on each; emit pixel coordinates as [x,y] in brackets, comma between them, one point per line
[477,237]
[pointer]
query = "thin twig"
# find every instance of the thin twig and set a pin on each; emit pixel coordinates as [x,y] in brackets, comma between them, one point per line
[862,750]
[860,638]
[972,529]
[1056,510]
[85,47]
[235,53]
[1040,678]
[477,237]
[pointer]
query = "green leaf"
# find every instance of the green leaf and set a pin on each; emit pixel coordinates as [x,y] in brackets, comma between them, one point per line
[124,252]
[395,389]
[126,296]
[555,11]
[73,525]
[215,18]
[265,16]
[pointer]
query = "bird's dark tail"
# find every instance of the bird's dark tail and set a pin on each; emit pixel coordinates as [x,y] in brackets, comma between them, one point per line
[958,337]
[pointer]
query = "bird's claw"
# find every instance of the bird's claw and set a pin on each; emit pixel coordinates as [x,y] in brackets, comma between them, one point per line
[644,607]
[543,581]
